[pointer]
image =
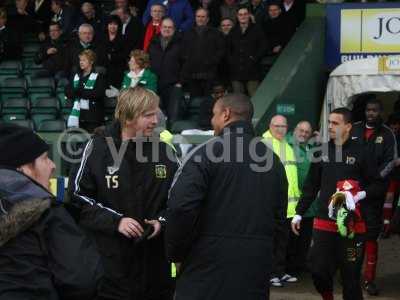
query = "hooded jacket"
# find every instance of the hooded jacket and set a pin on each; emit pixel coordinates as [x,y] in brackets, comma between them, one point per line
[43,253]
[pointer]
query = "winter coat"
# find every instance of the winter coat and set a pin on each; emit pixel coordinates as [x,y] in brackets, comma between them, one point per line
[53,62]
[106,191]
[166,64]
[221,217]
[116,58]
[148,80]
[95,113]
[74,48]
[43,253]
[202,53]
[245,51]
[382,148]
[278,31]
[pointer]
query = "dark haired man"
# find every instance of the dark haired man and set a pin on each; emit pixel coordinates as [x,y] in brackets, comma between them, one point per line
[220,232]
[342,163]
[380,142]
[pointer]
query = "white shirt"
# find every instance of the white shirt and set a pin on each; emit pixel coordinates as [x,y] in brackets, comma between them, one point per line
[124,25]
[287,5]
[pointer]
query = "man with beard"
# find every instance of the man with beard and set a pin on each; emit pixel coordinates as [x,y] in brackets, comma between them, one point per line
[380,143]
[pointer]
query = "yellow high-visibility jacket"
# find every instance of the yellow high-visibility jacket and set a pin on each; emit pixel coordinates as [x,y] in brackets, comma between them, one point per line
[286,154]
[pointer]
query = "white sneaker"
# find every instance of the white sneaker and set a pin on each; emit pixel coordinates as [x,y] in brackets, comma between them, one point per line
[276,282]
[289,278]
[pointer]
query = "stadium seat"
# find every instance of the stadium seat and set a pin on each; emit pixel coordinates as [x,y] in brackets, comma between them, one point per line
[39,118]
[45,106]
[31,69]
[61,85]
[41,85]
[30,50]
[65,103]
[15,106]
[34,97]
[23,123]
[13,117]
[52,126]
[13,88]
[10,67]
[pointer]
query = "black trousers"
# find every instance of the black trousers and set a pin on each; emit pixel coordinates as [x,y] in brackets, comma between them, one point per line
[171,98]
[298,248]
[281,235]
[199,87]
[330,252]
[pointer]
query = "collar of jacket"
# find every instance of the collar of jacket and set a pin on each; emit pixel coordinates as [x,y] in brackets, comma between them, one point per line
[22,203]
[240,127]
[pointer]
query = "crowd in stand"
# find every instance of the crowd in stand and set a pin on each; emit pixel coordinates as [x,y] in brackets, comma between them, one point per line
[189,46]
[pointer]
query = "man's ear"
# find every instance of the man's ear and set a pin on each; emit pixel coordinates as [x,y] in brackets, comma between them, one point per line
[349,126]
[227,114]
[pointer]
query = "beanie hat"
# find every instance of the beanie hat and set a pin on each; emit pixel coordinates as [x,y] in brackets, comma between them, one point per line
[19,145]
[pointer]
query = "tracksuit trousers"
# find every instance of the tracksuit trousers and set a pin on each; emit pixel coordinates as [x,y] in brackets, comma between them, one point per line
[330,252]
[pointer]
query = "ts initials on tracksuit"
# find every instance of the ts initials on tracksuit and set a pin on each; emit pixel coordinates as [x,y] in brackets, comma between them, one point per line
[137,189]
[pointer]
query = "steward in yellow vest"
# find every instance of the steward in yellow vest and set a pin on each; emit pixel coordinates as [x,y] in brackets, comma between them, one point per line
[286,154]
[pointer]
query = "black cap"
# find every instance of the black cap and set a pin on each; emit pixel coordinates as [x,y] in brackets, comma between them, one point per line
[19,145]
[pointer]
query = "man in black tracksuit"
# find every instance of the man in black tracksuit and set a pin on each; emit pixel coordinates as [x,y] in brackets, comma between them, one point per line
[121,198]
[222,213]
[380,142]
[341,159]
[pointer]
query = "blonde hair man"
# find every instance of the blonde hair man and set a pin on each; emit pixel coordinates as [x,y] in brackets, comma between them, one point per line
[121,187]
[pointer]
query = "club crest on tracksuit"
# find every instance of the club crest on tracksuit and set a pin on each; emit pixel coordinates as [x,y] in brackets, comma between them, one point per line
[161,171]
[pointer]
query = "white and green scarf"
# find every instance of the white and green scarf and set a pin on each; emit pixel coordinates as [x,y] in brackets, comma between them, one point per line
[73,119]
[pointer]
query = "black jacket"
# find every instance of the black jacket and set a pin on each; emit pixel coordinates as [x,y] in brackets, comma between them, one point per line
[74,48]
[67,20]
[116,59]
[382,148]
[107,192]
[98,22]
[202,53]
[278,31]
[95,113]
[328,168]
[245,51]
[381,145]
[221,217]
[10,44]
[43,253]
[134,34]
[166,64]
[53,62]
